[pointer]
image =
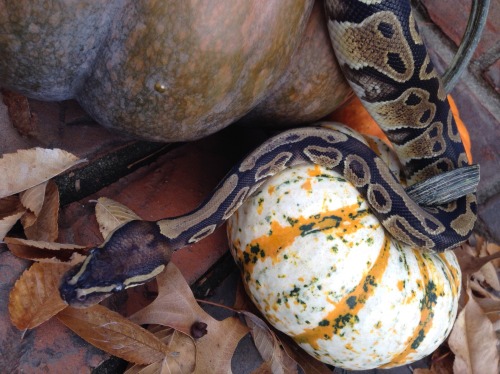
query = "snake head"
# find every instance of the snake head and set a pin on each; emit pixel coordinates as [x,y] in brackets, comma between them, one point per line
[133,254]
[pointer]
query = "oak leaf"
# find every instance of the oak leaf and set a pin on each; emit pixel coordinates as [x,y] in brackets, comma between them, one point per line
[49,252]
[11,210]
[45,225]
[32,199]
[114,334]
[35,296]
[473,341]
[269,346]
[176,307]
[28,168]
[180,360]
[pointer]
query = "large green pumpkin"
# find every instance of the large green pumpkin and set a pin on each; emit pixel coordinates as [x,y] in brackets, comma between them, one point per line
[172,69]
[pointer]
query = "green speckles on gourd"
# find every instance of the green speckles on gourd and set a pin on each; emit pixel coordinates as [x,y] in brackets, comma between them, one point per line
[416,343]
[343,294]
[342,321]
[369,282]
[430,296]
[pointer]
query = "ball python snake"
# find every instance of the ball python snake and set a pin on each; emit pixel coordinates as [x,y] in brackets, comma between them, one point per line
[384,59]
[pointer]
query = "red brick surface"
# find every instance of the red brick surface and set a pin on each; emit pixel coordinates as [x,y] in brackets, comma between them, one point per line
[451,17]
[492,75]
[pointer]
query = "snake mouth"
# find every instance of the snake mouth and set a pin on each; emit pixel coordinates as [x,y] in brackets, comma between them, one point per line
[79,295]
[77,300]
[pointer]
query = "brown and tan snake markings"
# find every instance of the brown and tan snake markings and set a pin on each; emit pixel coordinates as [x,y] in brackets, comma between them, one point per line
[377,42]
[383,57]
[453,133]
[464,223]
[277,164]
[357,171]
[427,72]
[326,156]
[379,198]
[415,36]
[430,140]
[203,233]
[236,202]
[412,109]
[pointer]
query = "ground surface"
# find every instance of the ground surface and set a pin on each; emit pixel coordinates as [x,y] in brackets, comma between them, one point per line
[181,175]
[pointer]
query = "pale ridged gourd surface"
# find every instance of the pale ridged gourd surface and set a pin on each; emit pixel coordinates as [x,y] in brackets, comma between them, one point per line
[321,268]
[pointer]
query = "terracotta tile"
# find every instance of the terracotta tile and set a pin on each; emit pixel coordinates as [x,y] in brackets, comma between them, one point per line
[451,17]
[50,348]
[173,185]
[483,127]
[61,125]
[492,75]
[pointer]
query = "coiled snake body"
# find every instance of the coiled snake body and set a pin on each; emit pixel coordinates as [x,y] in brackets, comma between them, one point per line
[383,57]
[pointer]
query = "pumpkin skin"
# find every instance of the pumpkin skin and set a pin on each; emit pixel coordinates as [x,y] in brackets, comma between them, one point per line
[313,85]
[321,269]
[49,47]
[166,70]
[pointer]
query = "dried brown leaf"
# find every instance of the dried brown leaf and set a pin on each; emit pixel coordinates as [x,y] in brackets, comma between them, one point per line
[215,350]
[32,199]
[264,368]
[488,275]
[269,346]
[473,341]
[45,226]
[109,331]
[48,252]
[468,261]
[480,290]
[111,214]
[491,249]
[490,307]
[441,362]
[176,307]
[11,210]
[180,360]
[307,363]
[35,296]
[27,168]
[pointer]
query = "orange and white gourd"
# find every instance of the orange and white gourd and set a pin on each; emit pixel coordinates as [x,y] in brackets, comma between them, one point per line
[321,268]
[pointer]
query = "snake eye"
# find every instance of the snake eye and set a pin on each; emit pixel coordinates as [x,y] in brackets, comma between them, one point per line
[81,297]
[118,287]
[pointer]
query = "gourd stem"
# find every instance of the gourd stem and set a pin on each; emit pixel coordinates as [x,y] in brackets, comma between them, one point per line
[446,187]
[470,40]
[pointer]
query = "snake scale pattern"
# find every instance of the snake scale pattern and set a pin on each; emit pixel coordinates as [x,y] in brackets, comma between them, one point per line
[384,59]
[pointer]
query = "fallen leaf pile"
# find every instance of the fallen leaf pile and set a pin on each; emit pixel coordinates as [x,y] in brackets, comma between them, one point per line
[182,337]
